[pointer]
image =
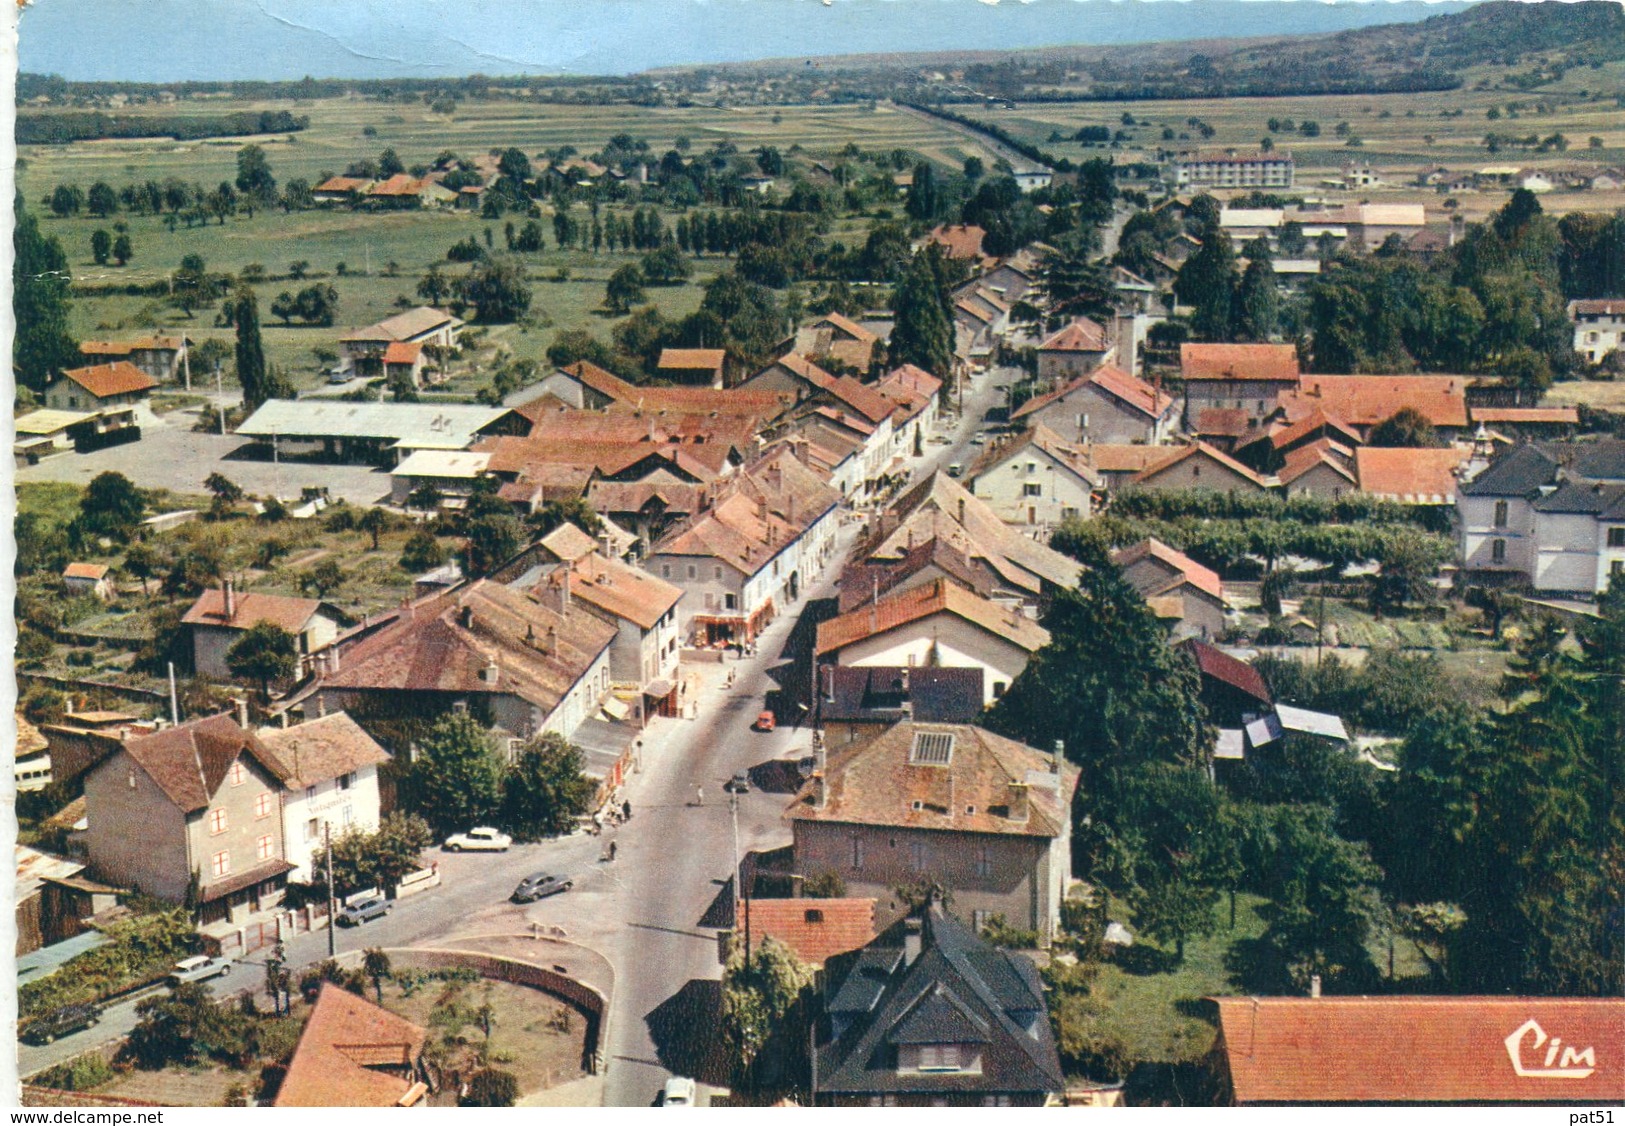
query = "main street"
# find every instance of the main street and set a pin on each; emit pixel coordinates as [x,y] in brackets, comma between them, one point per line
[642,912]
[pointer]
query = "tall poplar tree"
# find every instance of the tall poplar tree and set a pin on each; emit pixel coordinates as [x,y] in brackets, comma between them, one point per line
[40,285]
[923,334]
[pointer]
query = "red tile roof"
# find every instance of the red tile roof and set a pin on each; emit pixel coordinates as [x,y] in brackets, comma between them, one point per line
[104,380]
[292,614]
[1413,476]
[1221,666]
[936,597]
[1132,391]
[125,347]
[399,184]
[319,750]
[1319,452]
[93,571]
[621,590]
[1221,422]
[346,1040]
[815,930]
[1082,335]
[190,761]
[958,241]
[1423,1049]
[1365,400]
[400,352]
[1558,416]
[1281,436]
[341,184]
[1599,308]
[1238,361]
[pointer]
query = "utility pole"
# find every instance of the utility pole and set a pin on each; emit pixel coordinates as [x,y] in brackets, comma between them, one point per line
[332,914]
[219,399]
[174,705]
[740,911]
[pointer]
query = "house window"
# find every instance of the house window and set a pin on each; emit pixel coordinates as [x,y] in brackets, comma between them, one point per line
[1616,537]
[217,821]
[312,830]
[1498,551]
[665,570]
[710,601]
[730,602]
[857,852]
[978,920]
[220,864]
[999,688]
[984,861]
[1500,514]
[262,847]
[346,780]
[716,573]
[692,571]
[263,805]
[347,817]
[237,774]
[939,1057]
[916,855]
[1032,489]
[996,1100]
[310,793]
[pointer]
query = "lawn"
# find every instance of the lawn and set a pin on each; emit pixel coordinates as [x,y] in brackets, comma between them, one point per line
[1160,1016]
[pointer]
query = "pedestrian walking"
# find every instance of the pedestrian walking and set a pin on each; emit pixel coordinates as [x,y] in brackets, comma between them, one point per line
[612,849]
[626,810]
[699,795]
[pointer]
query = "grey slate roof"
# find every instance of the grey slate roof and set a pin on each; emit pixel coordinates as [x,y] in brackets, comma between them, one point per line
[958,990]
[1601,460]
[1517,473]
[1580,498]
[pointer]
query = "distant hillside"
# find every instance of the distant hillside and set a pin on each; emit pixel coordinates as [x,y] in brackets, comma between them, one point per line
[1428,55]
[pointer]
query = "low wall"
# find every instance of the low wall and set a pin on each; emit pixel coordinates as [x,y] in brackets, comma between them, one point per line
[588,1000]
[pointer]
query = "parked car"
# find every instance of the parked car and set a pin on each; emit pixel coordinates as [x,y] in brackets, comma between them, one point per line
[765,721]
[679,1091]
[739,783]
[199,967]
[539,886]
[483,839]
[61,1022]
[363,910]
[956,470]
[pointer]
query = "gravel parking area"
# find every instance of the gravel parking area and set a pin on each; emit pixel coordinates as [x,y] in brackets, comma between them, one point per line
[171,455]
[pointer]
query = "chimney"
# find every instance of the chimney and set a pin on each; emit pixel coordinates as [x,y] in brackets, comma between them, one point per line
[242,712]
[321,705]
[1018,801]
[829,684]
[229,599]
[913,936]
[564,590]
[1059,756]
[466,616]
[1314,985]
[490,673]
[552,638]
[961,510]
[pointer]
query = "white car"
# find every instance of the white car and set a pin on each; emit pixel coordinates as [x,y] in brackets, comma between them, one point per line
[679,1091]
[483,839]
[200,967]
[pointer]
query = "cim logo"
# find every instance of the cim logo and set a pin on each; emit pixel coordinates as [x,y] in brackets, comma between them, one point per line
[1559,1062]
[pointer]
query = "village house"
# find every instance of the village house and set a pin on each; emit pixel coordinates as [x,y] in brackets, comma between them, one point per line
[1599,328]
[838,341]
[858,702]
[981,816]
[1199,466]
[914,393]
[1417,1051]
[450,474]
[329,772]
[99,388]
[1233,692]
[354,1053]
[524,664]
[205,795]
[930,1014]
[52,901]
[586,386]
[864,582]
[166,358]
[1188,597]
[694,367]
[1525,423]
[1107,405]
[745,559]
[1075,350]
[958,241]
[1116,466]
[94,579]
[364,350]
[1321,468]
[1361,402]
[939,508]
[1035,478]
[220,617]
[340,189]
[1246,377]
[643,658]
[936,624]
[1266,448]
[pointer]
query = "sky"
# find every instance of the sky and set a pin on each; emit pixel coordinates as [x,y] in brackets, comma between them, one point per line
[172,40]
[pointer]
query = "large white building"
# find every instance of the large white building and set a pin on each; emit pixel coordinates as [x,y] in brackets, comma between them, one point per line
[330,784]
[1599,328]
[1232,169]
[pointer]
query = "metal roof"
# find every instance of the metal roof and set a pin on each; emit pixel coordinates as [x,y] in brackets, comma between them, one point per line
[430,426]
